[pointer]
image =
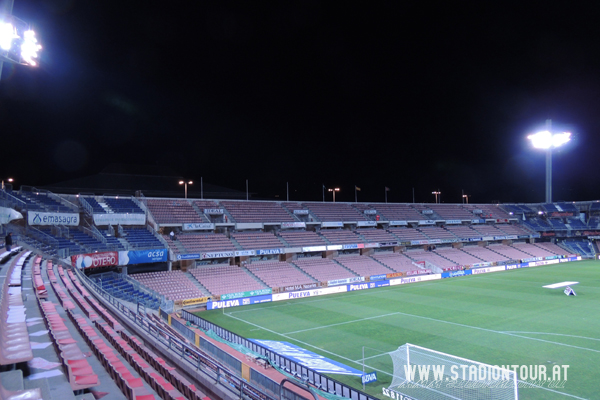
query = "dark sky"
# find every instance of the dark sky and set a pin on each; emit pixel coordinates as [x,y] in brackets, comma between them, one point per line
[435,96]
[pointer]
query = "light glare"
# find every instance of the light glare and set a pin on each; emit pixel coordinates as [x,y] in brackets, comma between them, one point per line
[30,48]
[7,34]
[546,140]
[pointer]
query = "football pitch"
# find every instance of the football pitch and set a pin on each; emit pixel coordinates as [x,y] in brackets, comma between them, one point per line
[501,318]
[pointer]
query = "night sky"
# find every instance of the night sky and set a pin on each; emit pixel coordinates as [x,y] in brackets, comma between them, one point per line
[423,95]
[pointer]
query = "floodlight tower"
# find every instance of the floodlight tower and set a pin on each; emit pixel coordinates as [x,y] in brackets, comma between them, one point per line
[546,140]
[18,44]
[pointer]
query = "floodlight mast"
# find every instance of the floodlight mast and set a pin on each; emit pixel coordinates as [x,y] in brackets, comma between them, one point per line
[548,141]
[6,7]
[16,34]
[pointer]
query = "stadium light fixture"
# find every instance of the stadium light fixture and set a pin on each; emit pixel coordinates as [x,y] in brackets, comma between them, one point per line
[185,183]
[334,190]
[546,140]
[436,193]
[18,42]
[10,180]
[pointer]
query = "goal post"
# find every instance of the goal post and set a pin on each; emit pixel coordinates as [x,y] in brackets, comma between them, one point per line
[425,374]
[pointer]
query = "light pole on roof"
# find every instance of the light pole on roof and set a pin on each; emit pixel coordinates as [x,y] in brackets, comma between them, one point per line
[334,190]
[7,180]
[185,183]
[546,140]
[436,193]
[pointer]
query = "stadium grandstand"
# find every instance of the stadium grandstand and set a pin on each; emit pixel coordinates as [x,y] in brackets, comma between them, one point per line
[122,268]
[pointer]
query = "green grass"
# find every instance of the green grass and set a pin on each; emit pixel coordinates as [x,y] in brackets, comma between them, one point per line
[500,318]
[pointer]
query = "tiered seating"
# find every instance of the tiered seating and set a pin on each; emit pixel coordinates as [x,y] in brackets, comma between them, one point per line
[340,236]
[290,206]
[488,230]
[334,212]
[484,254]
[302,238]
[452,211]
[580,246]
[168,372]
[278,274]
[376,235]
[223,279]
[64,243]
[567,207]
[509,252]
[122,289]
[96,207]
[361,207]
[532,249]
[197,242]
[111,241]
[14,337]
[123,205]
[322,269]
[63,298]
[457,256]
[436,232]
[362,265]
[537,224]
[397,212]
[48,203]
[576,223]
[38,283]
[204,204]
[173,211]
[407,234]
[551,247]
[433,258]
[399,263]
[513,229]
[557,224]
[141,238]
[79,372]
[463,231]
[175,285]
[257,211]
[489,211]
[426,211]
[257,240]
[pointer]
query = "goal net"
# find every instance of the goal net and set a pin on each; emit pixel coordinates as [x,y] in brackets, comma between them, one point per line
[425,374]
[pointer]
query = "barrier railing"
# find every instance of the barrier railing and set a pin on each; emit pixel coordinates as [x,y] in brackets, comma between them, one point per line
[320,381]
[205,365]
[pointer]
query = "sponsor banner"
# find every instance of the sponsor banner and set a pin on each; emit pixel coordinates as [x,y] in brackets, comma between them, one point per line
[487,238]
[192,256]
[94,260]
[477,211]
[512,237]
[142,256]
[361,286]
[545,262]
[453,222]
[483,264]
[533,259]
[269,251]
[523,237]
[382,283]
[244,253]
[561,214]
[435,241]
[535,235]
[488,269]
[370,212]
[449,240]
[516,266]
[311,360]
[309,293]
[119,218]
[377,277]
[336,282]
[371,245]
[301,212]
[398,223]
[453,274]
[366,223]
[369,377]
[501,221]
[190,302]
[214,211]
[478,221]
[413,279]
[314,248]
[332,224]
[588,233]
[198,226]
[353,246]
[499,237]
[394,275]
[418,242]
[287,225]
[418,272]
[306,286]
[248,225]
[217,254]
[425,212]
[427,222]
[244,301]
[475,239]
[8,214]
[251,293]
[548,234]
[388,244]
[334,247]
[51,218]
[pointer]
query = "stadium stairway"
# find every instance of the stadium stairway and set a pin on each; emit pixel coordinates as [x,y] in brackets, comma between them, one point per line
[196,282]
[200,212]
